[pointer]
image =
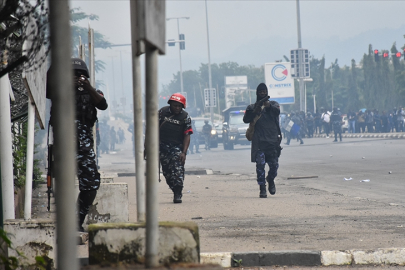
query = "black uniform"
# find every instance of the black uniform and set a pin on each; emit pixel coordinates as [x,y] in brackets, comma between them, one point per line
[265,142]
[172,130]
[336,120]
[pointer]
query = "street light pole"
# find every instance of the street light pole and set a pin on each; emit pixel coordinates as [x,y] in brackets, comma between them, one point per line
[209,61]
[301,58]
[178,34]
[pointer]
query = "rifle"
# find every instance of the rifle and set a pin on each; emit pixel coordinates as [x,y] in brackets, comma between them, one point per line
[260,102]
[49,171]
[49,175]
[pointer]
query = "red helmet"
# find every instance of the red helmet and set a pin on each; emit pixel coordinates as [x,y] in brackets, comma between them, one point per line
[178,98]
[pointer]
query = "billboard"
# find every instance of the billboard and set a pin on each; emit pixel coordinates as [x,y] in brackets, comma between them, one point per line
[233,84]
[279,82]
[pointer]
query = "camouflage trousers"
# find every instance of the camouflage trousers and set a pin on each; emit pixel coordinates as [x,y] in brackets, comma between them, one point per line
[172,168]
[260,167]
[87,173]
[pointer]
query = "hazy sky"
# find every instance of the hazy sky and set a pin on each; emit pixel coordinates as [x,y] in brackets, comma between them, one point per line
[237,29]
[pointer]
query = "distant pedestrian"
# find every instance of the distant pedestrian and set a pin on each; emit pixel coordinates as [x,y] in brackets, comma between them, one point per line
[206,130]
[336,120]
[266,138]
[325,117]
[113,139]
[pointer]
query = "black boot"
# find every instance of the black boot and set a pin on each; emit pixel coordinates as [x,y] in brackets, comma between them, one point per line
[177,194]
[263,192]
[272,186]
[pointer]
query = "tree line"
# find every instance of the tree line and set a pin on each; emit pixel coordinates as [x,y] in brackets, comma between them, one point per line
[372,84]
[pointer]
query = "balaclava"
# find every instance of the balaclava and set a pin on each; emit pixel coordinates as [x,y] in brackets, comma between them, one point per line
[261,86]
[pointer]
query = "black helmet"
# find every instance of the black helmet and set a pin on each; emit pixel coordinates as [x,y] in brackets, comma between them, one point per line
[79,64]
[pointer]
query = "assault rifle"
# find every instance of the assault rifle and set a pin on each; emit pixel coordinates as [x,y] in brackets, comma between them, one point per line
[49,175]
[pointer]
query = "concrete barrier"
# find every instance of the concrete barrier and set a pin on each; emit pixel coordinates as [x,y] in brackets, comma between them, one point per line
[110,205]
[125,242]
[32,238]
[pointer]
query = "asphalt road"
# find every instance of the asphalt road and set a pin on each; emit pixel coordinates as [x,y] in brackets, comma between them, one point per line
[323,213]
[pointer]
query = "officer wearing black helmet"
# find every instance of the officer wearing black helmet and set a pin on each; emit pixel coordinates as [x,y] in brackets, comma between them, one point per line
[87,101]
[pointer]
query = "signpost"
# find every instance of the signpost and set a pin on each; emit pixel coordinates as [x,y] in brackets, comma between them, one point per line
[233,84]
[210,97]
[300,69]
[279,82]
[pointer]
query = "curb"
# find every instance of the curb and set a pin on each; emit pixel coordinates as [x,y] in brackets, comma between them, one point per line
[188,172]
[365,135]
[386,256]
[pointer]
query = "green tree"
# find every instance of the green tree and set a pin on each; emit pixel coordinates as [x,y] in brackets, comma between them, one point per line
[76,15]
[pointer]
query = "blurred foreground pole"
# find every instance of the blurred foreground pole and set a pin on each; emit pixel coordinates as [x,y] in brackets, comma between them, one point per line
[138,124]
[6,154]
[61,84]
[29,159]
[149,33]
[152,154]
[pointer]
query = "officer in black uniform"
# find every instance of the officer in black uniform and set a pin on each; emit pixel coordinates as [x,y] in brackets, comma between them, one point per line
[266,138]
[297,121]
[87,101]
[174,135]
[336,120]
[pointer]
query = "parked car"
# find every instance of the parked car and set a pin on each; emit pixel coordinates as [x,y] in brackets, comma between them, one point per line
[218,128]
[199,123]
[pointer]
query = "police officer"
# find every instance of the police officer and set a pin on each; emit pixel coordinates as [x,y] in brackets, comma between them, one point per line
[175,130]
[87,101]
[336,120]
[310,124]
[206,130]
[295,129]
[266,138]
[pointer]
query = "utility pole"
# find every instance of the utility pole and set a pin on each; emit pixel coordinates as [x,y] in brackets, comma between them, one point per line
[301,58]
[209,61]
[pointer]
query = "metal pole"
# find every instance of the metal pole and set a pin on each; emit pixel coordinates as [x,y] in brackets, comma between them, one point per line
[61,82]
[299,24]
[305,97]
[30,160]
[314,104]
[138,126]
[301,57]
[181,69]
[152,154]
[332,100]
[6,156]
[122,83]
[209,60]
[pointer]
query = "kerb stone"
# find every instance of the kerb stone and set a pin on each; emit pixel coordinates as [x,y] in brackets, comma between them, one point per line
[32,238]
[125,242]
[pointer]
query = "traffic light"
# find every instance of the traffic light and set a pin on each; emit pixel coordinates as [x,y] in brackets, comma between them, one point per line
[376,56]
[398,54]
[385,55]
[404,54]
[171,42]
[182,43]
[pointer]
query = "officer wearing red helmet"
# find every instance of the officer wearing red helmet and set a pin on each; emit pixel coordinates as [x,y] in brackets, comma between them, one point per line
[174,140]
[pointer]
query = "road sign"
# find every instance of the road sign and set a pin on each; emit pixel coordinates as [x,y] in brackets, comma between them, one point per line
[210,97]
[279,82]
[300,63]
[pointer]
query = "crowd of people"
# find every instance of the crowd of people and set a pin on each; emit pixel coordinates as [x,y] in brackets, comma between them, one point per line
[321,122]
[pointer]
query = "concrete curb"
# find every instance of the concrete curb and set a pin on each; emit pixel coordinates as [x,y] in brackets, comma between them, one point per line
[381,256]
[364,135]
[188,172]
